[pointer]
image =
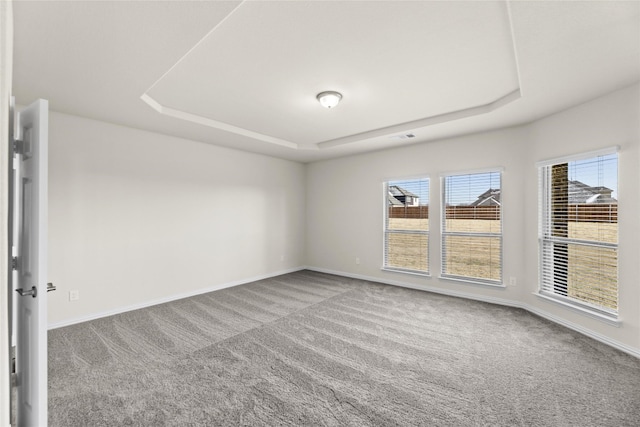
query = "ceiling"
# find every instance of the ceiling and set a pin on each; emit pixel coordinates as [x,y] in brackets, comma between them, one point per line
[246,74]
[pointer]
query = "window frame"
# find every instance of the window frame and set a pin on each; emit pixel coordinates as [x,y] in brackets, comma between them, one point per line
[444,233]
[386,231]
[544,202]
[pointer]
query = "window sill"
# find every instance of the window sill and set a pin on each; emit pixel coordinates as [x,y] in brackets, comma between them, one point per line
[471,281]
[411,272]
[610,319]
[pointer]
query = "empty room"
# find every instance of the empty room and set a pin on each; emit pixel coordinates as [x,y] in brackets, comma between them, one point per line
[322,213]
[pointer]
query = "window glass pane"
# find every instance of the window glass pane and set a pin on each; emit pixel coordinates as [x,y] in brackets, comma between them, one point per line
[407,225]
[471,256]
[583,272]
[472,228]
[593,275]
[408,251]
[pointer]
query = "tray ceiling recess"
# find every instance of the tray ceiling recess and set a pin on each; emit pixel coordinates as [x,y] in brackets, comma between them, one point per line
[400,66]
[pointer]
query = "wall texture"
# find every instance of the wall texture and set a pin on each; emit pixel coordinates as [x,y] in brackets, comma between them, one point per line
[334,239]
[137,217]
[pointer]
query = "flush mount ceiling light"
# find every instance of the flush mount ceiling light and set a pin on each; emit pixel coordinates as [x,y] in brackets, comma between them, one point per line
[329,99]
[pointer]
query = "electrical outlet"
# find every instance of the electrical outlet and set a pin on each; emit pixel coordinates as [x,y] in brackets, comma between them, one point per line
[512,281]
[282,258]
[357,261]
[74,295]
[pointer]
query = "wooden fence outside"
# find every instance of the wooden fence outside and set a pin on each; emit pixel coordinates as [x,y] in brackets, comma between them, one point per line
[577,212]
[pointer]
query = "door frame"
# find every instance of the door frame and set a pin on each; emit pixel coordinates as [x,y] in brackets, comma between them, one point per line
[6,67]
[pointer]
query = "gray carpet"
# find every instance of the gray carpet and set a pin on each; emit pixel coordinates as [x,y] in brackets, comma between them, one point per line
[314,349]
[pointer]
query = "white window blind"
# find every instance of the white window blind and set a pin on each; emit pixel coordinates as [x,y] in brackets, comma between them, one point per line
[472,227]
[406,226]
[578,232]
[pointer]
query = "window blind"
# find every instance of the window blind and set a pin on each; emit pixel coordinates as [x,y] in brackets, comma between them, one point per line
[472,227]
[578,232]
[406,226]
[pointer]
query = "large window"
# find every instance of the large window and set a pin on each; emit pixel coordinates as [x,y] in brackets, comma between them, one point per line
[578,231]
[406,226]
[472,227]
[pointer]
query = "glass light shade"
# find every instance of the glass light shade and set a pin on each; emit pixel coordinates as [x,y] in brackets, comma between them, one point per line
[329,99]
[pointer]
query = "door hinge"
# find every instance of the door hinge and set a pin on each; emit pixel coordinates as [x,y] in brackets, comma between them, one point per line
[14,263]
[18,146]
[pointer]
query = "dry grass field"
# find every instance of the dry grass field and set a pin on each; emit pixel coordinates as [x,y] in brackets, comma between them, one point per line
[408,250]
[594,280]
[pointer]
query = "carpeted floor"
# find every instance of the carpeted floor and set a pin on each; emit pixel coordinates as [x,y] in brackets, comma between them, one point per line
[314,349]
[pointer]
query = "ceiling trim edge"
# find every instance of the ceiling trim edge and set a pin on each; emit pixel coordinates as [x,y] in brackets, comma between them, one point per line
[401,127]
[194,118]
[424,122]
[514,45]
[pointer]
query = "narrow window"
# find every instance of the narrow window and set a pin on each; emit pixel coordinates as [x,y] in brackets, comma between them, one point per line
[578,231]
[472,227]
[406,226]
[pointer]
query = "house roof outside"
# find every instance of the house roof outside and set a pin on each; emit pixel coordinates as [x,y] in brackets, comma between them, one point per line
[398,195]
[395,190]
[579,192]
[394,202]
[491,197]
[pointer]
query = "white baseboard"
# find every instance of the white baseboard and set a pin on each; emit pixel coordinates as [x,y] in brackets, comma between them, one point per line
[175,297]
[493,300]
[500,301]
[585,331]
[467,295]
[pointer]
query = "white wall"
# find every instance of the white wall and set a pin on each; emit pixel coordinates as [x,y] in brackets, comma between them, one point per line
[137,217]
[345,206]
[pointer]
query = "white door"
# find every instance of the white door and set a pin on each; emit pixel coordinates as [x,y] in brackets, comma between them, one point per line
[30,246]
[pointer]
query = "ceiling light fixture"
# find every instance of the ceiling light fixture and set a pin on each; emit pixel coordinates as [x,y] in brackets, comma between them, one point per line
[329,99]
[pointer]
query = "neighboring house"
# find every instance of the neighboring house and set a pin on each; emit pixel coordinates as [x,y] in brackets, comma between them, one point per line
[398,196]
[491,197]
[583,193]
[579,193]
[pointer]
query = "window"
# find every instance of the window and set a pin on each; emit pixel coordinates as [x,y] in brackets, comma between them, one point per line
[472,227]
[406,226]
[578,231]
